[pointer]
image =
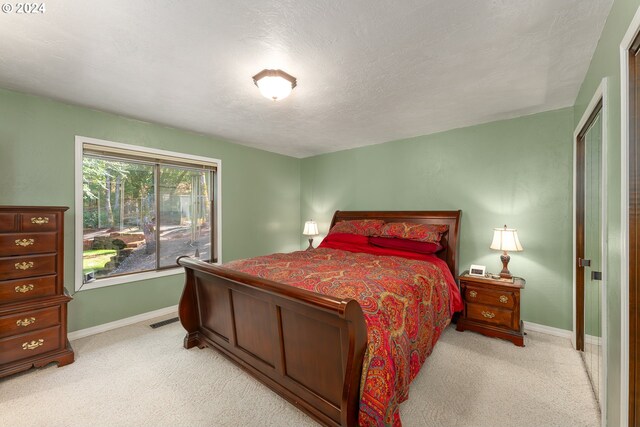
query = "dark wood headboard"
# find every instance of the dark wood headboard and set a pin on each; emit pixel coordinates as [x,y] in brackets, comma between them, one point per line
[450,241]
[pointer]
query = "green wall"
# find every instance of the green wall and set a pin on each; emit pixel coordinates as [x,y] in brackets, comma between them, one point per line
[606,63]
[516,172]
[260,191]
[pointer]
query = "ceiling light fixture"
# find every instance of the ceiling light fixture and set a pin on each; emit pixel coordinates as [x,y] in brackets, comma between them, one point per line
[274,84]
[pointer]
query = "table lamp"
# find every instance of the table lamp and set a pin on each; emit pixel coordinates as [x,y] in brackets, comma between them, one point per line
[310,229]
[505,239]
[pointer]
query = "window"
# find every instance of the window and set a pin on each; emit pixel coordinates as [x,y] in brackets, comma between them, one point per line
[140,210]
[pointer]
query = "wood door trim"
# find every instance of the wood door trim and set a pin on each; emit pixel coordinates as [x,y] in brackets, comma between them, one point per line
[579,219]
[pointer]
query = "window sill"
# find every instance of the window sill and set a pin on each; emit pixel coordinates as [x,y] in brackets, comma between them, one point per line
[129,278]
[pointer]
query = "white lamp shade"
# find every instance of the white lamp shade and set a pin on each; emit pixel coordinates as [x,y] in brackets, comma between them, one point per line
[506,239]
[310,228]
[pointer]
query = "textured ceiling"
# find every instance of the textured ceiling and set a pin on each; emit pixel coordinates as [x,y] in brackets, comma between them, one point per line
[368,71]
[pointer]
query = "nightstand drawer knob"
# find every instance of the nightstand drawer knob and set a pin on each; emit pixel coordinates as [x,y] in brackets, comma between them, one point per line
[488,314]
[504,299]
[473,294]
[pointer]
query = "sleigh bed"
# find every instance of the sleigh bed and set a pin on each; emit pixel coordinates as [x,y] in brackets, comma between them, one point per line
[308,346]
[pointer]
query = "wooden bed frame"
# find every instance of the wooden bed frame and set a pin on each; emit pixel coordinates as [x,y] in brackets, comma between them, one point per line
[305,346]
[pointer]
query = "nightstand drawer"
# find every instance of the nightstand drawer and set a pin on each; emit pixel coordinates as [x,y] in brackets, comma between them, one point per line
[483,296]
[489,314]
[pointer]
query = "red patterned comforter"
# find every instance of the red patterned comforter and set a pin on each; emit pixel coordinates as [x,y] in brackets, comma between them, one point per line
[406,305]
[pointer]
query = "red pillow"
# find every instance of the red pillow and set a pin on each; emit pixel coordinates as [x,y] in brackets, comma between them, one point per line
[363,227]
[406,245]
[412,231]
[349,238]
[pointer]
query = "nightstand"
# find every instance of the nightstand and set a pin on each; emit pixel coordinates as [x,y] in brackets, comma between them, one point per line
[492,307]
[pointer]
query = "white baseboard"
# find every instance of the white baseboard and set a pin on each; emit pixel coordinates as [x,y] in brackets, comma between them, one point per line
[556,332]
[122,322]
[591,339]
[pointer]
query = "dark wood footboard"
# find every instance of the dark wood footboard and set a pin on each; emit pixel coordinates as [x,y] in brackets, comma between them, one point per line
[305,346]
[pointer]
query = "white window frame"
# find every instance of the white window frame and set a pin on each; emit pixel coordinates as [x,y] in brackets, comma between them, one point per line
[134,277]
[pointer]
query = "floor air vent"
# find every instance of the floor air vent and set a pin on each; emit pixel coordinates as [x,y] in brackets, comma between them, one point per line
[164,322]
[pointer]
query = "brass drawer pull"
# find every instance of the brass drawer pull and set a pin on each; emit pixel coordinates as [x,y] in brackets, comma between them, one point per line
[473,294]
[39,220]
[26,321]
[488,314]
[33,344]
[23,289]
[25,242]
[23,265]
[504,299]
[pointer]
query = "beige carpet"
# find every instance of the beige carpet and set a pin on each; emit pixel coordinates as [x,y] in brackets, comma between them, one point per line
[137,376]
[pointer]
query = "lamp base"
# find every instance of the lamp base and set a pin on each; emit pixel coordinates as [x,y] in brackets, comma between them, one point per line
[310,248]
[505,273]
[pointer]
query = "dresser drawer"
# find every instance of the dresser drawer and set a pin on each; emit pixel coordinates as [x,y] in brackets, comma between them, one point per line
[28,321]
[27,243]
[38,222]
[27,266]
[30,344]
[25,289]
[489,314]
[477,295]
[8,222]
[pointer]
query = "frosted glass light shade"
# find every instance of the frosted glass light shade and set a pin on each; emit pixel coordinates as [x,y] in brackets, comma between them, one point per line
[310,228]
[274,84]
[506,239]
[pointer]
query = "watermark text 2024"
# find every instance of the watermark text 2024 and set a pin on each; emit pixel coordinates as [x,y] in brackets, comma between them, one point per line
[24,8]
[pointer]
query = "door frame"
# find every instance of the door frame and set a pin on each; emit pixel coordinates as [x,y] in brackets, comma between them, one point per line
[600,96]
[625,45]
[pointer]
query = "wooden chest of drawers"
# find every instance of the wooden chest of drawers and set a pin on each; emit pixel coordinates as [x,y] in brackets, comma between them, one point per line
[492,307]
[33,301]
